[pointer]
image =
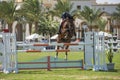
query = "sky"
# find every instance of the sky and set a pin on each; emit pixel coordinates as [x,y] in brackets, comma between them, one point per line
[108,1]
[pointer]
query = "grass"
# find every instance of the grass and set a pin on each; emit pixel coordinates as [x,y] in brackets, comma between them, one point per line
[62,74]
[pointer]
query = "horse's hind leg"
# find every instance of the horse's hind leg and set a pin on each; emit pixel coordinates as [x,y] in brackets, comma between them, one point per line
[66,55]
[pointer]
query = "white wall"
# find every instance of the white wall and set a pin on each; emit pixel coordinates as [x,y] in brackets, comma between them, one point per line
[82,3]
[107,8]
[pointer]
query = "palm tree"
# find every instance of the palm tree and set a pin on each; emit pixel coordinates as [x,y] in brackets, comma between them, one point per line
[48,26]
[91,16]
[77,13]
[32,11]
[7,13]
[116,15]
[101,24]
[62,6]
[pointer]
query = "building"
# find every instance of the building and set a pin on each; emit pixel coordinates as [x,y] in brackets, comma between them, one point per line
[108,9]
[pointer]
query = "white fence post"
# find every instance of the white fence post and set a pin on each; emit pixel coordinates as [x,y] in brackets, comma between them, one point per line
[94,55]
[1,54]
[9,53]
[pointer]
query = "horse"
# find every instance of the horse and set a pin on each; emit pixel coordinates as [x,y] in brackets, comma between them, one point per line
[67,31]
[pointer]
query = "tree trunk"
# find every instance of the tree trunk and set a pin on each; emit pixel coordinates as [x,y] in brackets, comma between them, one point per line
[19,32]
[10,27]
[30,29]
[36,27]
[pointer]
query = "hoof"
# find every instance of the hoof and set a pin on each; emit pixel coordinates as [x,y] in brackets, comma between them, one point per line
[56,57]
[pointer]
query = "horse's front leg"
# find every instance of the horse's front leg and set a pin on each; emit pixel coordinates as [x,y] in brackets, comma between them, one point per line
[66,53]
[57,52]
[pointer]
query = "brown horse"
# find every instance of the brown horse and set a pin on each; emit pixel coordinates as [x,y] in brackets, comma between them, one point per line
[67,31]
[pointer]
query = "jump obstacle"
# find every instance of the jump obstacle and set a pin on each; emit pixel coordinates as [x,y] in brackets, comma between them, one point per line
[94,54]
[49,63]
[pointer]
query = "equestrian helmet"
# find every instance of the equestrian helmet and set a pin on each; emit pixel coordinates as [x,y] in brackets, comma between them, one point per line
[66,15]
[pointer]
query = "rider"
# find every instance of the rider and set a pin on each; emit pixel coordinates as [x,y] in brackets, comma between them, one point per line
[64,17]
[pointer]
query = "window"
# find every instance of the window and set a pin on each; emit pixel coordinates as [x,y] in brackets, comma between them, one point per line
[78,7]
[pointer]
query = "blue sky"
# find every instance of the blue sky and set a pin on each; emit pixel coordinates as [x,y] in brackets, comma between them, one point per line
[109,1]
